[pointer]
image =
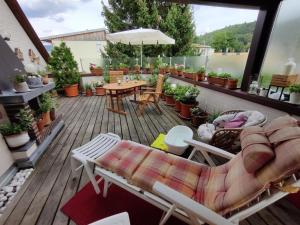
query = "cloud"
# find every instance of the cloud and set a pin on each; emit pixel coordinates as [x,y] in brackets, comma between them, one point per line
[44,8]
[58,19]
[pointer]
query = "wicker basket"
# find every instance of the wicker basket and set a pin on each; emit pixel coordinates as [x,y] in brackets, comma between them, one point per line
[283,80]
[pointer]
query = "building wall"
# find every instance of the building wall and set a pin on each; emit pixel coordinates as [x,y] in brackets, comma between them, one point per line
[91,36]
[19,38]
[215,101]
[85,52]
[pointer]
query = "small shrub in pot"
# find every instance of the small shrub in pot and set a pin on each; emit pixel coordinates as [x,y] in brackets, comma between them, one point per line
[20,84]
[169,94]
[295,94]
[188,101]
[88,90]
[200,76]
[199,116]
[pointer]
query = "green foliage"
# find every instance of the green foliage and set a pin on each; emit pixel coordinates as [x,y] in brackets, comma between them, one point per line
[180,91]
[176,20]
[98,84]
[212,74]
[190,96]
[235,38]
[225,75]
[123,65]
[197,111]
[189,70]
[152,80]
[180,68]
[20,78]
[213,116]
[24,123]
[47,102]
[202,70]
[87,87]
[63,66]
[169,90]
[295,88]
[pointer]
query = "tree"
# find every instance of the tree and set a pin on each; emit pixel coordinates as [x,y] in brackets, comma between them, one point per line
[173,19]
[63,66]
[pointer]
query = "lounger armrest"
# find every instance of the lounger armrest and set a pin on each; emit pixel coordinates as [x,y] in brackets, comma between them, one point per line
[189,206]
[200,146]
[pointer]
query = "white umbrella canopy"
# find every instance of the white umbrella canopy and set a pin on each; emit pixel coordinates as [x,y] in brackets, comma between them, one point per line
[141,37]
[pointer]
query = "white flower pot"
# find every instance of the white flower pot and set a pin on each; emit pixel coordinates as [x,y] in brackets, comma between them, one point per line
[21,87]
[295,98]
[17,140]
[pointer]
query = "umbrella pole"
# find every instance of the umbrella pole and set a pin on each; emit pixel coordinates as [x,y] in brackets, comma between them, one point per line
[142,56]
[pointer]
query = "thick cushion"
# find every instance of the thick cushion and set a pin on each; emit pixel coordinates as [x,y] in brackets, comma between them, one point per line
[124,158]
[255,156]
[176,172]
[254,139]
[279,123]
[284,134]
[251,130]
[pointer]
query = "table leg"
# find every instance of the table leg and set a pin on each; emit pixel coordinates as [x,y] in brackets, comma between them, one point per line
[112,108]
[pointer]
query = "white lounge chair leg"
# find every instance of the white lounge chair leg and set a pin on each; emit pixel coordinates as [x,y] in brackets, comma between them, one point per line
[92,178]
[167,216]
[105,188]
[74,166]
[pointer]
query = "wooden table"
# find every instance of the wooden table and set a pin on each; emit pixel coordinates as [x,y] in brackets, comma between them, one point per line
[117,91]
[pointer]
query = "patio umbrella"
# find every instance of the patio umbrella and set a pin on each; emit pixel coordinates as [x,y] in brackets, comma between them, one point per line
[141,37]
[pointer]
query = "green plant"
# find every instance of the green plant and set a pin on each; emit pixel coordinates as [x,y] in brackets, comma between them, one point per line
[170,90]
[213,116]
[23,124]
[212,74]
[190,96]
[152,80]
[42,73]
[46,102]
[295,88]
[63,66]
[180,68]
[189,70]
[20,78]
[225,75]
[179,92]
[97,84]
[87,87]
[202,70]
[197,111]
[123,65]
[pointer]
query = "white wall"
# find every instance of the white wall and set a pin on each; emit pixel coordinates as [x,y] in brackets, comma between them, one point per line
[19,38]
[6,159]
[85,52]
[215,101]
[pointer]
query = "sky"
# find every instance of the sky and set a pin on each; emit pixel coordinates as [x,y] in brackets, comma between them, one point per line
[51,17]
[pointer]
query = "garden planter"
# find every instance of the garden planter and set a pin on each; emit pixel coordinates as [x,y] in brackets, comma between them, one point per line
[185,111]
[46,118]
[231,84]
[96,71]
[52,114]
[45,79]
[200,77]
[89,92]
[17,140]
[21,87]
[174,72]
[40,124]
[125,70]
[220,81]
[179,73]
[71,90]
[170,100]
[189,76]
[295,98]
[100,91]
[177,106]
[198,120]
[162,70]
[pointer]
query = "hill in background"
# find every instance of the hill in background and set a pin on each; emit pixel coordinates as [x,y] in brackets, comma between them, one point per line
[234,38]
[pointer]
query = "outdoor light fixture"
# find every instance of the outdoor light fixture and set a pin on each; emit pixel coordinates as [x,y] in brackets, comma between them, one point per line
[5,35]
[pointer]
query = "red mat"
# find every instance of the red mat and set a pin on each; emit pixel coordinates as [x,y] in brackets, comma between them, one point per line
[86,207]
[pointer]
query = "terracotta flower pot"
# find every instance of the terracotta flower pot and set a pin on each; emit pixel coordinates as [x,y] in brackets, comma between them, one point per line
[71,90]
[46,118]
[96,71]
[100,91]
[220,81]
[89,92]
[52,114]
[125,70]
[189,75]
[162,70]
[185,111]
[200,77]
[177,106]
[45,79]
[170,100]
[179,73]
[231,84]
[40,124]
[198,120]
[17,140]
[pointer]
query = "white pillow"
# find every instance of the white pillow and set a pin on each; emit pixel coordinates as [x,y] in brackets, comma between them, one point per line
[206,131]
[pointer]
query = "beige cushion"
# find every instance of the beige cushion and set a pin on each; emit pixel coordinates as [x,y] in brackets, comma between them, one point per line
[279,123]
[251,130]
[284,134]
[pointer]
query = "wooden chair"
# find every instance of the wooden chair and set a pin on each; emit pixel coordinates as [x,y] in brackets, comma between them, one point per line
[151,95]
[114,76]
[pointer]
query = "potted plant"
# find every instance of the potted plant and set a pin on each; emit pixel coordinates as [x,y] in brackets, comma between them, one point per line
[295,94]
[211,77]
[46,104]
[124,67]
[189,74]
[179,92]
[200,76]
[20,84]
[169,94]
[44,75]
[64,69]
[163,68]
[16,134]
[40,123]
[188,101]
[100,91]
[180,70]
[222,79]
[173,71]
[231,83]
[96,70]
[137,69]
[53,107]
[198,116]
[88,90]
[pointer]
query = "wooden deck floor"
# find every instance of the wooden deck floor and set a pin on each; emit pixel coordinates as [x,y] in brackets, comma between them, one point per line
[50,185]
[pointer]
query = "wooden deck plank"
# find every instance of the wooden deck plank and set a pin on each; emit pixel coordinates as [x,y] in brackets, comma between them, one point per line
[51,184]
